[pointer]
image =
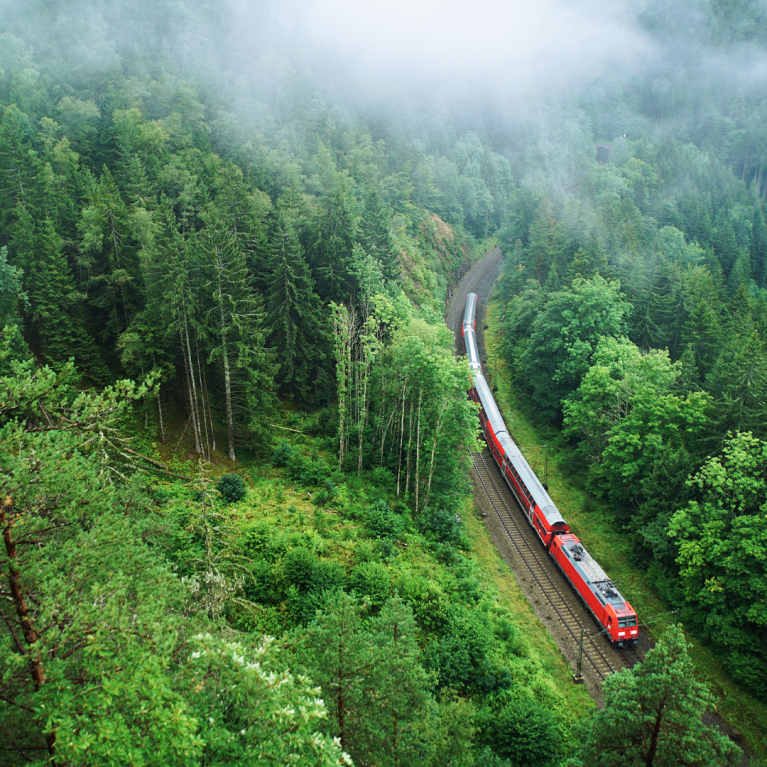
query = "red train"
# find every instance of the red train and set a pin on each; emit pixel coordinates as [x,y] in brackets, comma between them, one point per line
[598,592]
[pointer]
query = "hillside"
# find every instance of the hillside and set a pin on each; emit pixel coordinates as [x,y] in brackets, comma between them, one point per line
[237,515]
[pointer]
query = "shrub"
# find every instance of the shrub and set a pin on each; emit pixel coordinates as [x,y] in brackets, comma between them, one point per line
[306,470]
[383,478]
[372,581]
[441,525]
[282,453]
[232,488]
[524,732]
[460,655]
[383,522]
[298,566]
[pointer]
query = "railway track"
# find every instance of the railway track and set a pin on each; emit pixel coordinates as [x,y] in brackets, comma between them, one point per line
[556,599]
[600,655]
[479,280]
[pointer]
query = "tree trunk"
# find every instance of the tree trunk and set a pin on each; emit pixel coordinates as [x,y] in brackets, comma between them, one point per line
[34,660]
[409,453]
[209,416]
[386,431]
[227,390]
[418,450]
[159,413]
[401,440]
[192,390]
[203,398]
[364,413]
[433,451]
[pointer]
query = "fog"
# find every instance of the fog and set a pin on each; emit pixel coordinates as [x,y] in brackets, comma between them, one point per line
[495,46]
[502,57]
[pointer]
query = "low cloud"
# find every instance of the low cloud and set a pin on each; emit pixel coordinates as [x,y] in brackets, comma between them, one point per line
[500,45]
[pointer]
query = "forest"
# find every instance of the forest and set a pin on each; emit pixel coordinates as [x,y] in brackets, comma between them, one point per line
[236,502]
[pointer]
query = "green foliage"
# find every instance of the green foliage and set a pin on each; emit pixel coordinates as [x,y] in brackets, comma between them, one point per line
[232,488]
[100,662]
[372,582]
[374,684]
[565,335]
[382,522]
[652,715]
[722,548]
[460,656]
[283,453]
[524,733]
[252,709]
[306,470]
[441,525]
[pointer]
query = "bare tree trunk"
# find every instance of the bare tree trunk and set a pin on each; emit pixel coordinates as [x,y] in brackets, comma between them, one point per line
[34,658]
[204,398]
[418,450]
[340,321]
[386,431]
[364,414]
[401,440]
[433,451]
[192,390]
[210,409]
[409,453]
[159,412]
[227,389]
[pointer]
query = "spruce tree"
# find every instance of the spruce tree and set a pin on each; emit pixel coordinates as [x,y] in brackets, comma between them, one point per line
[376,234]
[234,327]
[294,313]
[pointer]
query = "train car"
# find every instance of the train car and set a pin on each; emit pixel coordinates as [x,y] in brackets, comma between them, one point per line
[469,336]
[541,513]
[599,594]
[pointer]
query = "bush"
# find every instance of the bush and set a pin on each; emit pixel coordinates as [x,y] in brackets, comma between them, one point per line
[524,732]
[282,453]
[460,656]
[298,566]
[371,580]
[306,470]
[232,488]
[383,478]
[441,525]
[383,522]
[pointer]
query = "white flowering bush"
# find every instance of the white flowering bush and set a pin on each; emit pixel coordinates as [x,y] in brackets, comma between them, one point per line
[251,709]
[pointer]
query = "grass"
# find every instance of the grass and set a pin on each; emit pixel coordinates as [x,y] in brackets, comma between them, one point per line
[338,532]
[539,641]
[594,523]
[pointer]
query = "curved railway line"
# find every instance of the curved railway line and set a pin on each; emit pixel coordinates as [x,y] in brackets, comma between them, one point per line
[555,600]
[603,659]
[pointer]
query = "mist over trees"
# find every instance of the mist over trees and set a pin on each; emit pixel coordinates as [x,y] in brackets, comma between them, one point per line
[260,235]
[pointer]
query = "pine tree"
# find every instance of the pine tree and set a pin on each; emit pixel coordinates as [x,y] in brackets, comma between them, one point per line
[652,716]
[109,256]
[294,313]
[331,251]
[233,323]
[376,234]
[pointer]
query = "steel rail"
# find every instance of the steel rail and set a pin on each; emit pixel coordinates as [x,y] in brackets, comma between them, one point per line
[600,663]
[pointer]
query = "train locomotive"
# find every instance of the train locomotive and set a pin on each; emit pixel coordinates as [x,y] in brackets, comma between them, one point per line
[590,581]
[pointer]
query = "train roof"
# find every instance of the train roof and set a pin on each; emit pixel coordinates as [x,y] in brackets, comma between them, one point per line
[472,352]
[591,572]
[471,308]
[527,475]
